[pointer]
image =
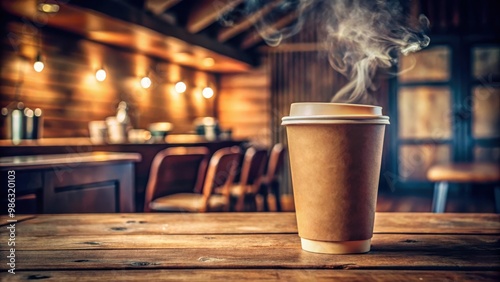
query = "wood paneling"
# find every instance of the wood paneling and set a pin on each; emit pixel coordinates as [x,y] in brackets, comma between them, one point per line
[243,105]
[69,95]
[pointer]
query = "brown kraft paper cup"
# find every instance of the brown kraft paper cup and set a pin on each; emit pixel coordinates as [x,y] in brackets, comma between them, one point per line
[335,162]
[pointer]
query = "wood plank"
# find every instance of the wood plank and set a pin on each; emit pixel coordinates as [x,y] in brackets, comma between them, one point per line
[153,223]
[207,12]
[158,7]
[241,223]
[247,22]
[412,252]
[242,118]
[259,93]
[430,223]
[19,217]
[117,241]
[248,105]
[252,275]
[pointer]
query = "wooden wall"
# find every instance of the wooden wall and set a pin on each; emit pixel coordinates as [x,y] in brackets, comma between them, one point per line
[70,96]
[244,105]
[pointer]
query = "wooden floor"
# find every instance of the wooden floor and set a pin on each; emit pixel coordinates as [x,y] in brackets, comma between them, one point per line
[461,200]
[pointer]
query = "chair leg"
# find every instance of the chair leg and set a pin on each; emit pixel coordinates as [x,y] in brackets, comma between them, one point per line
[440,194]
[497,199]
[275,189]
[264,193]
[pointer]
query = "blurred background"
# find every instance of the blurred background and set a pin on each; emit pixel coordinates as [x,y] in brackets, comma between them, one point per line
[176,61]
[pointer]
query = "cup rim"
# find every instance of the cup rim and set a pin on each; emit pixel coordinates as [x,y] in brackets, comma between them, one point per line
[340,104]
[334,113]
[333,109]
[336,117]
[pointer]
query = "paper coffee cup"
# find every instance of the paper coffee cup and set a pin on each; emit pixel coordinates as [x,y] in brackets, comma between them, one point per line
[335,155]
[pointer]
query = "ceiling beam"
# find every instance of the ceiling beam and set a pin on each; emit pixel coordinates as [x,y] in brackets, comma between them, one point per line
[158,7]
[206,12]
[255,36]
[116,9]
[227,33]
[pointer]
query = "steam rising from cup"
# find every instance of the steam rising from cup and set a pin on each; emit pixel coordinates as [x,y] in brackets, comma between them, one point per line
[364,35]
[360,35]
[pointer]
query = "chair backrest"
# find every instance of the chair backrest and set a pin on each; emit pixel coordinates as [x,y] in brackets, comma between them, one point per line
[252,168]
[221,171]
[176,170]
[276,160]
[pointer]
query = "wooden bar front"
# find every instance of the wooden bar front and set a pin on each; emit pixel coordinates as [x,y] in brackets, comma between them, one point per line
[73,183]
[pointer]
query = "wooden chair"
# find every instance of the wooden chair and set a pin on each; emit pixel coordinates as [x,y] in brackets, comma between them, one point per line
[442,174]
[176,170]
[220,174]
[270,182]
[243,194]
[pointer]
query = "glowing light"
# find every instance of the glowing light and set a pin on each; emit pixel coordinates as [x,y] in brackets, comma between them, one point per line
[100,75]
[207,92]
[180,87]
[38,66]
[28,112]
[145,82]
[48,8]
[208,62]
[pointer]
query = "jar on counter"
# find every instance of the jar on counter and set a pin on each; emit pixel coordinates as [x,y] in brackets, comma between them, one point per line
[22,123]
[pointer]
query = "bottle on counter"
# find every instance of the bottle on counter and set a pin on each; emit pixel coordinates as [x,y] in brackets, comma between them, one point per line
[207,127]
[32,123]
[15,122]
[118,125]
[22,122]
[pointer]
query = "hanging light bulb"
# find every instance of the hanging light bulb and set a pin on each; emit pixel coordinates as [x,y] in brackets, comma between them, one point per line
[207,92]
[100,74]
[180,87]
[208,62]
[145,82]
[38,65]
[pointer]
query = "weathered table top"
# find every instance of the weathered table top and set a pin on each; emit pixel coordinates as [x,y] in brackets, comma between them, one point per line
[246,246]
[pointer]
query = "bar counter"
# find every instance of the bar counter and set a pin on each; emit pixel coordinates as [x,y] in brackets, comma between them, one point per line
[247,246]
[146,150]
[71,183]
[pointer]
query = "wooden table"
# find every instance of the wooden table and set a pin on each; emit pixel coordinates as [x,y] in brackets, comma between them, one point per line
[247,246]
[442,174]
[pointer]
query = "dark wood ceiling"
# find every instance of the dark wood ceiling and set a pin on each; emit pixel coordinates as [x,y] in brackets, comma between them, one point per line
[229,22]
[181,31]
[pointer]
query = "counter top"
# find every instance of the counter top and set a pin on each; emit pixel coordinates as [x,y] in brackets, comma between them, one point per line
[249,247]
[174,139]
[64,160]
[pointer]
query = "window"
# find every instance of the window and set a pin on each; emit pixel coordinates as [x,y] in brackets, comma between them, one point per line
[446,103]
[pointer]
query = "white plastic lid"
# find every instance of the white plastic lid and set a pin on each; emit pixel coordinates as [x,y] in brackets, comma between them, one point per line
[327,113]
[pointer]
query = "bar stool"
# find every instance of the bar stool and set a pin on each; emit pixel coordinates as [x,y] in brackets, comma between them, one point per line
[176,170]
[270,181]
[220,174]
[442,174]
[243,194]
